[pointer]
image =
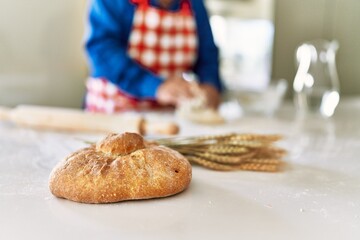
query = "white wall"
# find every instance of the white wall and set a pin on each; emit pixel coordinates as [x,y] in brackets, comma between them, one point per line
[41,52]
[262,9]
[244,32]
[298,21]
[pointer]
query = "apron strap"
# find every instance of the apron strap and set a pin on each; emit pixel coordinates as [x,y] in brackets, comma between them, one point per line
[137,2]
[185,4]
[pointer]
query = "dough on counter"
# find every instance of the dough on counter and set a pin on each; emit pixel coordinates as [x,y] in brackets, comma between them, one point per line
[202,116]
[118,168]
[197,111]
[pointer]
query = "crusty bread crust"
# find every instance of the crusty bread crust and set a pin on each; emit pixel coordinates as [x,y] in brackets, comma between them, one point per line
[118,168]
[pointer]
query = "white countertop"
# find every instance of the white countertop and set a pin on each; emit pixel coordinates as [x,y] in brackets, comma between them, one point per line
[317,196]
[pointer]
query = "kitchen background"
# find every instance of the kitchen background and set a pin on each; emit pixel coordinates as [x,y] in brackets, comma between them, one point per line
[42,59]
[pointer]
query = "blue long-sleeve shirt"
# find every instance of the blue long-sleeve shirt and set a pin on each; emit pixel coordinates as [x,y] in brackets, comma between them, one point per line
[109,27]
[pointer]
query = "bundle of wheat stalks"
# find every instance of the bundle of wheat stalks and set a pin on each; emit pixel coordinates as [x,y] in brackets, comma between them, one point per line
[252,152]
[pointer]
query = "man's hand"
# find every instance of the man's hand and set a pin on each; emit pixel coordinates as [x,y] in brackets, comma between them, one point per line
[176,90]
[173,91]
[212,95]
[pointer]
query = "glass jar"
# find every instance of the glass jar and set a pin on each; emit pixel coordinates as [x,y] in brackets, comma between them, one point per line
[316,84]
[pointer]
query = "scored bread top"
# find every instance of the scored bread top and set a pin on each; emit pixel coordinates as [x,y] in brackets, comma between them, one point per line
[118,168]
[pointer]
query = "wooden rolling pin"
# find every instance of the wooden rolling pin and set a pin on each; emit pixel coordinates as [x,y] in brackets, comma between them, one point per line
[77,120]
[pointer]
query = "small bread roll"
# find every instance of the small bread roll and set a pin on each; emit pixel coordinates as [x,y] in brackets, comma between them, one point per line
[118,168]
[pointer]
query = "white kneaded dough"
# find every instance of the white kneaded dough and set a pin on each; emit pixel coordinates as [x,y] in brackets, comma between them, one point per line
[196,110]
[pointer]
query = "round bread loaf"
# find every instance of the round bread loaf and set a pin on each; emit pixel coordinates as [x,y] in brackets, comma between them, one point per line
[118,168]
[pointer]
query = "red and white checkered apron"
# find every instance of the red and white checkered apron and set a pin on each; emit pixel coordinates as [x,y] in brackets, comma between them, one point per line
[162,41]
